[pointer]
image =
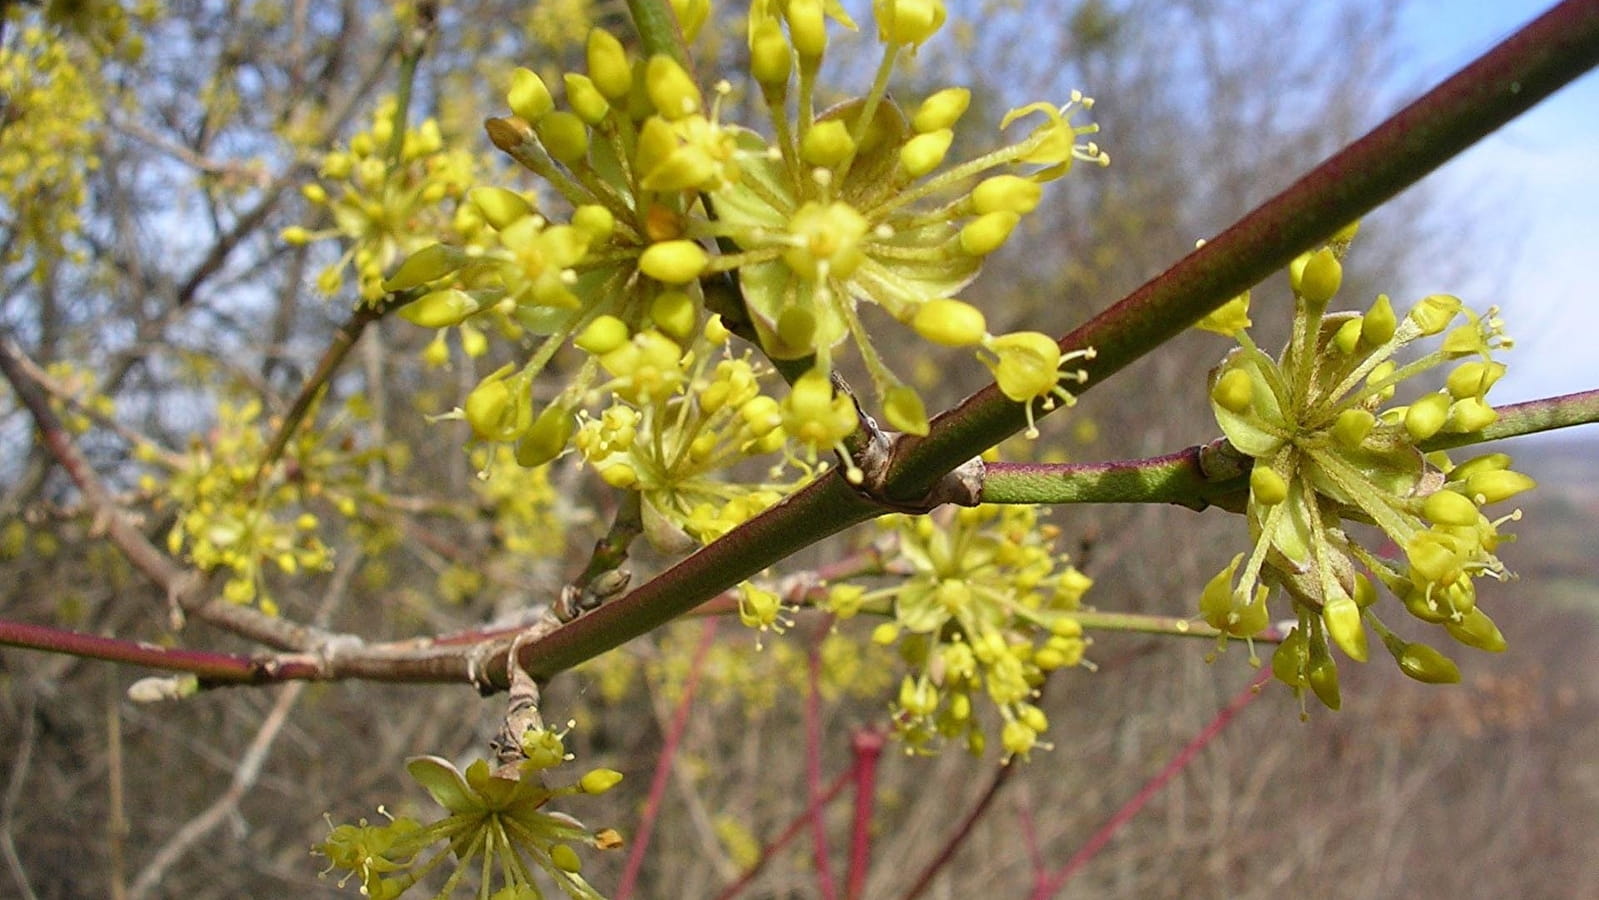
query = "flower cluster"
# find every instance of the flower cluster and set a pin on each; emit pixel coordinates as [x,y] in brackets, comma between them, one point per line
[1329,447]
[985,610]
[848,206]
[50,112]
[232,515]
[390,192]
[497,824]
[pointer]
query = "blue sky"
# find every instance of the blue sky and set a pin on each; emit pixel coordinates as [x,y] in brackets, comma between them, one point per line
[1529,201]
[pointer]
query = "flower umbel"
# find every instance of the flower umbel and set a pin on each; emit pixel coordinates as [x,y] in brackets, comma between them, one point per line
[1329,447]
[497,824]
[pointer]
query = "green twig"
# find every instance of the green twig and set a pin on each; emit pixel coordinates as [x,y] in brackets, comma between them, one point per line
[658,29]
[1184,478]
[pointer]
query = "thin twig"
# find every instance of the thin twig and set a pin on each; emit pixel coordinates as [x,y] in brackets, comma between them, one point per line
[21,765]
[789,832]
[867,748]
[1048,886]
[244,778]
[813,760]
[663,765]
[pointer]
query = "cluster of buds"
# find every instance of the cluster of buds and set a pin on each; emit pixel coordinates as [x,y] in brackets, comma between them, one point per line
[1330,447]
[985,611]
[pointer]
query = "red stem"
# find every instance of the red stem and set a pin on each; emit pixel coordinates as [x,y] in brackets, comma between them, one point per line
[813,762]
[1047,887]
[210,668]
[788,834]
[663,766]
[868,749]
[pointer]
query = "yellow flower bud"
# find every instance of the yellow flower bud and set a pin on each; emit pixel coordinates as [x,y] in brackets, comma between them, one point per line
[1234,391]
[807,27]
[691,16]
[908,21]
[1320,278]
[1352,426]
[1474,377]
[1470,414]
[1449,508]
[771,60]
[619,475]
[674,262]
[673,92]
[987,233]
[296,236]
[586,99]
[1341,615]
[675,313]
[598,781]
[604,334]
[1006,192]
[500,207]
[1475,629]
[1378,325]
[950,323]
[1427,416]
[1347,337]
[827,144]
[1322,676]
[609,69]
[1494,485]
[942,110]
[594,220]
[1266,486]
[564,135]
[529,99]
[924,152]
[565,858]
